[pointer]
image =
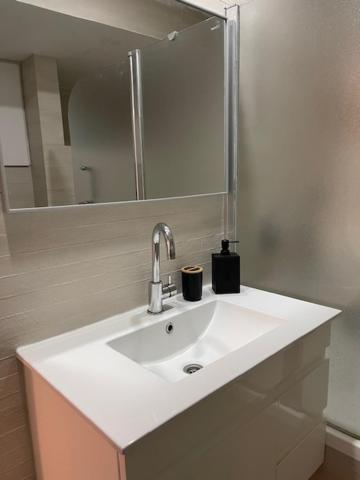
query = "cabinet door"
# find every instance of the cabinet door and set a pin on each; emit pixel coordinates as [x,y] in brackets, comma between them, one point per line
[246,452]
[66,445]
[301,408]
[305,459]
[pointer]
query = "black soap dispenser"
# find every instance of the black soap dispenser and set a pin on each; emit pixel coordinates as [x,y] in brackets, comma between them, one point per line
[226,270]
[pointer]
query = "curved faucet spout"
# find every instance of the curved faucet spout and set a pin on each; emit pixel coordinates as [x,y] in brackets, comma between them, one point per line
[165,230]
[157,291]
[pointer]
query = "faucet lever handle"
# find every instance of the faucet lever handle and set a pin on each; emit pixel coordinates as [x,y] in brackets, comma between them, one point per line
[169,290]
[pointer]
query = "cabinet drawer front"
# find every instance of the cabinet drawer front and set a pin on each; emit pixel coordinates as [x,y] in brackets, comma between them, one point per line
[301,408]
[305,459]
[283,366]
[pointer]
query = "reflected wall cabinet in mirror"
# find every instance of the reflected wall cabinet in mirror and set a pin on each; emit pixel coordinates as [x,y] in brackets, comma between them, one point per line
[97,111]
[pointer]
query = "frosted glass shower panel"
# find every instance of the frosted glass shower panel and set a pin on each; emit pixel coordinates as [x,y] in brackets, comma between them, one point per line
[184,112]
[101,137]
[299,169]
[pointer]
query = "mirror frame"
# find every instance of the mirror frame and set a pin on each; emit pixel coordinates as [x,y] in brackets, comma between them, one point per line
[231,15]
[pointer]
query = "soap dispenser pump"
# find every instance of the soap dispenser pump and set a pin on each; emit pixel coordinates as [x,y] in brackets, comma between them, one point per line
[226,270]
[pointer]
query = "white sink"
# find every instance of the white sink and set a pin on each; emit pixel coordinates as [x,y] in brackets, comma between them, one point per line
[189,341]
[125,373]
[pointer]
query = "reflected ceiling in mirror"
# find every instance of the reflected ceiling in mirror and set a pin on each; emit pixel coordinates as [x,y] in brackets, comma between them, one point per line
[69,129]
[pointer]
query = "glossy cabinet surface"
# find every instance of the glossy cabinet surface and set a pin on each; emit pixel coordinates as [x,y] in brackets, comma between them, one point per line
[263,425]
[305,459]
[66,446]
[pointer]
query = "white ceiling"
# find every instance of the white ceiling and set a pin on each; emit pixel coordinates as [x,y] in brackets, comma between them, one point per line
[80,46]
[153,18]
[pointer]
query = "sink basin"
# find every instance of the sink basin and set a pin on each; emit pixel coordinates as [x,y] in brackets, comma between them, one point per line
[126,373]
[187,342]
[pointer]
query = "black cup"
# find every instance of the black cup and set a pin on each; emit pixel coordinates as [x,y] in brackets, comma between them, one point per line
[192,279]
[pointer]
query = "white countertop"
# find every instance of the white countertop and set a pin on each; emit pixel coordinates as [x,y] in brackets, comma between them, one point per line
[126,401]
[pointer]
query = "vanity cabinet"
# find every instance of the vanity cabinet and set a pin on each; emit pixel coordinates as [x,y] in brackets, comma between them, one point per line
[66,445]
[260,426]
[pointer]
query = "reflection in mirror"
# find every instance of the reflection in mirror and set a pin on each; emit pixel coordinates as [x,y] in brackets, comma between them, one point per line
[101,136]
[67,117]
[183,104]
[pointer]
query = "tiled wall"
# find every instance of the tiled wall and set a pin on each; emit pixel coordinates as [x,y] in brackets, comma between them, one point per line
[67,267]
[20,187]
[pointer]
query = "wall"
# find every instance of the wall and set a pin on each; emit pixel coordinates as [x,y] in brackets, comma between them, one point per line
[299,168]
[213,6]
[68,267]
[13,135]
[52,170]
[19,187]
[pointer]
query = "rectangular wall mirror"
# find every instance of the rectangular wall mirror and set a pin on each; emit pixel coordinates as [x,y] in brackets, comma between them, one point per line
[92,113]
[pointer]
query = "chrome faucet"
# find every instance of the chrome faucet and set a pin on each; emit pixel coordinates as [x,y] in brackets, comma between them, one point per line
[158,291]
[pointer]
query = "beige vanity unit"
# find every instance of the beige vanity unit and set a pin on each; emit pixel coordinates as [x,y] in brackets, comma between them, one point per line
[114,400]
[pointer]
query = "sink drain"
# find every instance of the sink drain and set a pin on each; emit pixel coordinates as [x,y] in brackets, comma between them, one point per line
[192,368]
